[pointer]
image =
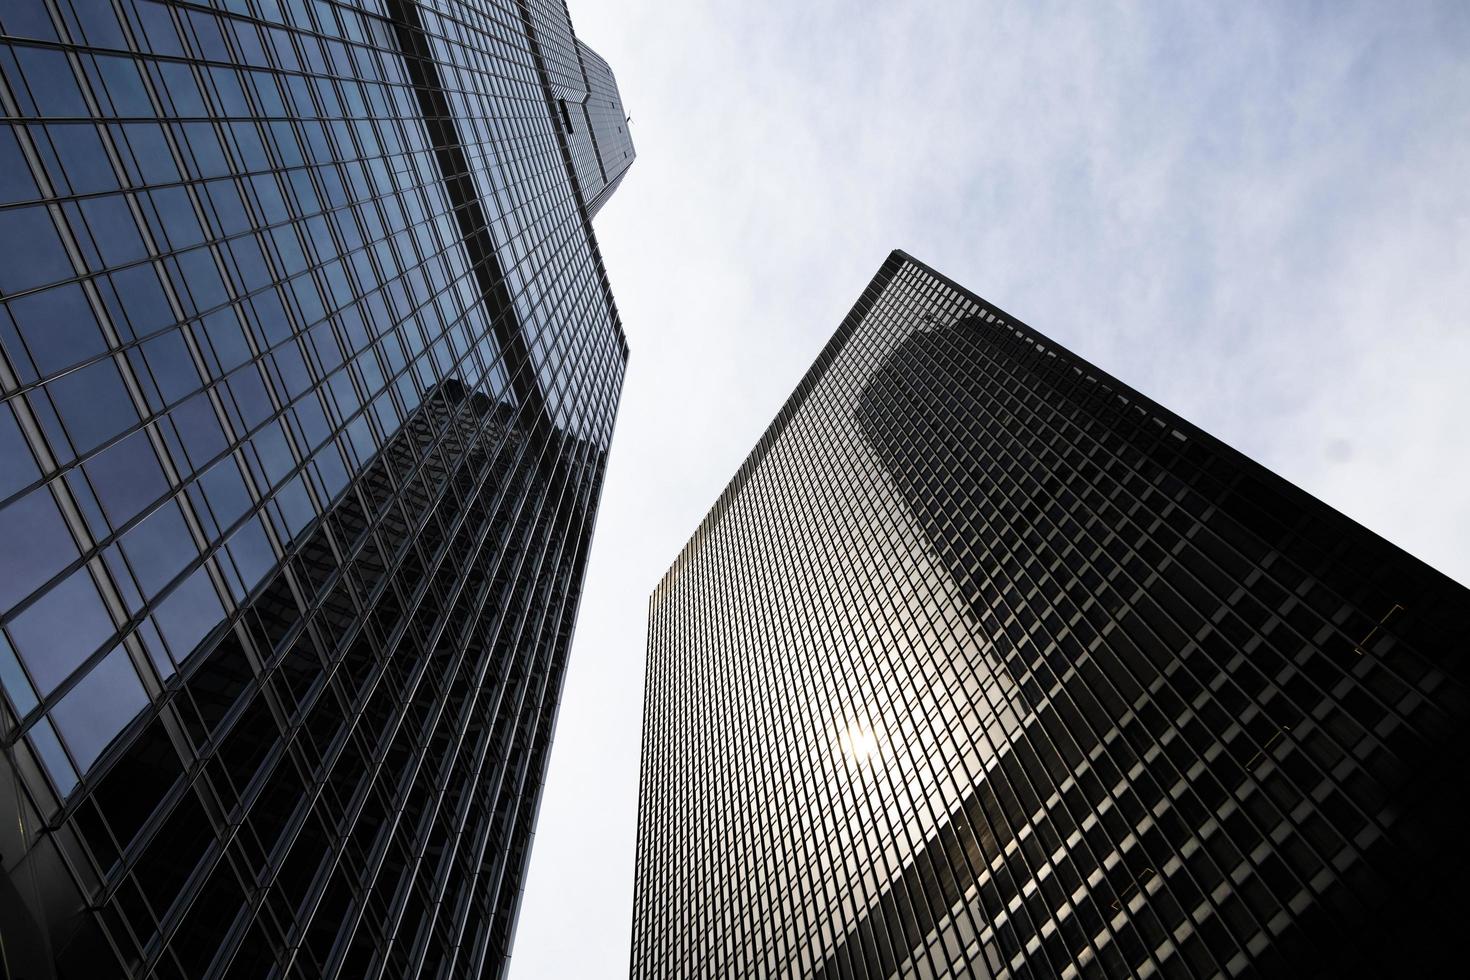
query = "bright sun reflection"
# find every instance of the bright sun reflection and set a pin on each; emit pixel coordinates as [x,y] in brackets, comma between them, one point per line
[859,742]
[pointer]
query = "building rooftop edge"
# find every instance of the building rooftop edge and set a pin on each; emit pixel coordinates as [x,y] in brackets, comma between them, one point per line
[896,259]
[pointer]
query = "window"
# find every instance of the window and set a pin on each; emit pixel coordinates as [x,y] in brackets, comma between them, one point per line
[226,340]
[51,82]
[100,706]
[17,465]
[189,614]
[61,629]
[48,747]
[110,221]
[124,86]
[92,404]
[199,430]
[41,261]
[37,545]
[15,173]
[84,161]
[126,478]
[224,492]
[159,548]
[176,211]
[253,556]
[17,685]
[170,369]
[152,161]
[59,329]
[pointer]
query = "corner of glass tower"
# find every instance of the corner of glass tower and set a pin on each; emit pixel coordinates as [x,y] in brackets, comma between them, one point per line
[308,374]
[986,665]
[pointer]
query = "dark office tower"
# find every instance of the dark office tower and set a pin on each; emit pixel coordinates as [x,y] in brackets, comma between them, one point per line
[985,665]
[309,365]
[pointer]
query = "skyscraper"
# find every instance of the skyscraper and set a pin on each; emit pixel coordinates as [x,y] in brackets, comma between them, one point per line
[986,665]
[310,365]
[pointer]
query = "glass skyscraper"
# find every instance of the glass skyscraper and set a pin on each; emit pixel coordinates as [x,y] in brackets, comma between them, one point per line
[985,665]
[309,369]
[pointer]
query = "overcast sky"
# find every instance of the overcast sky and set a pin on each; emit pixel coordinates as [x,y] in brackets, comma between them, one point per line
[1256,214]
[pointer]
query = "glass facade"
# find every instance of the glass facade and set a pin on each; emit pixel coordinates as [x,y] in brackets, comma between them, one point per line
[985,665]
[309,367]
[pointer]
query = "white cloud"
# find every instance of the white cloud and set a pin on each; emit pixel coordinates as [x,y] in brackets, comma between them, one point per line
[1257,216]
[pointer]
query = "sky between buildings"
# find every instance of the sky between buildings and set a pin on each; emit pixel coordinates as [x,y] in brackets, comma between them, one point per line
[1256,214]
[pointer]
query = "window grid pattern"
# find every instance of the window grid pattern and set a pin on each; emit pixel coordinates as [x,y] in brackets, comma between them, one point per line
[309,369]
[591,108]
[985,665]
[612,143]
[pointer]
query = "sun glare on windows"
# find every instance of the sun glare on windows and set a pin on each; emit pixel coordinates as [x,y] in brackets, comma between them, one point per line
[860,742]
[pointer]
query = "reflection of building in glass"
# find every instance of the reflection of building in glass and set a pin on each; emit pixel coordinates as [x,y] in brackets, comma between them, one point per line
[986,665]
[309,370]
